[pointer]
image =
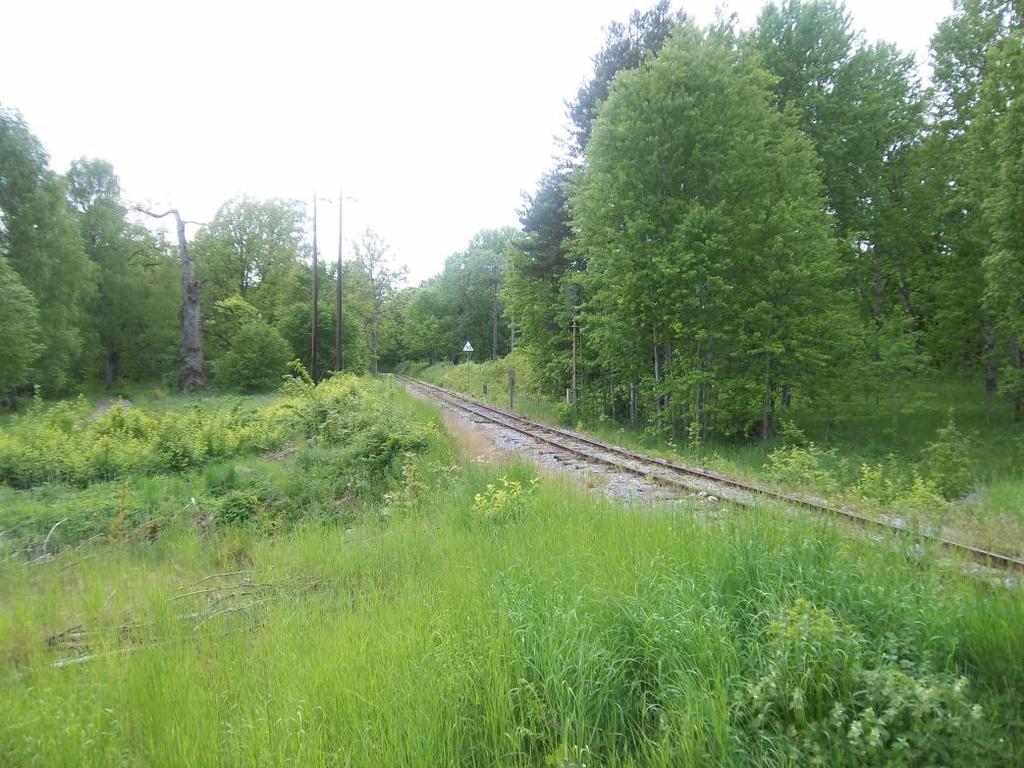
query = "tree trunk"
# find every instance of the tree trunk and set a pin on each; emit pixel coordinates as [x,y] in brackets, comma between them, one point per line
[1017,359]
[12,399]
[633,404]
[768,406]
[111,364]
[876,304]
[191,376]
[991,365]
[657,383]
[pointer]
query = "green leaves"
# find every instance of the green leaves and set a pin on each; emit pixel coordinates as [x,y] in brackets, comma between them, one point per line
[701,216]
[19,328]
[40,240]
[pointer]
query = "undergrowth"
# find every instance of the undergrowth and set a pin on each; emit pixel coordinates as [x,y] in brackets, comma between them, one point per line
[387,606]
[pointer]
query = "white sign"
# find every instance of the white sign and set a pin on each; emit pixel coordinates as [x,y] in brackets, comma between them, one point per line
[468,347]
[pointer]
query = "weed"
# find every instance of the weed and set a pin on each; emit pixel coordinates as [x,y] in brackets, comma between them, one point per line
[503,501]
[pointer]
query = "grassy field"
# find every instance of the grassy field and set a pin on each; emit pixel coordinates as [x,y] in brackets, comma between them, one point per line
[871,456]
[358,594]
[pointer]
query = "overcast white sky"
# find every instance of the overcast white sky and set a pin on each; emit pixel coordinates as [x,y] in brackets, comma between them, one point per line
[435,115]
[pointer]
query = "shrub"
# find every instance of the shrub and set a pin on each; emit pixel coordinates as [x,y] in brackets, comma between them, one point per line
[826,696]
[237,507]
[503,501]
[801,466]
[948,463]
[58,443]
[257,360]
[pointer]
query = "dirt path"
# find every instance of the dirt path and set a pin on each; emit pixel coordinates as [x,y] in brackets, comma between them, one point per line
[106,405]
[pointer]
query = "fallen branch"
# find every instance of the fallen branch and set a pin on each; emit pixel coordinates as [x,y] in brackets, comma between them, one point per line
[46,541]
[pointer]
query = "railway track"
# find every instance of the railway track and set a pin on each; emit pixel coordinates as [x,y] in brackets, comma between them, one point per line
[682,477]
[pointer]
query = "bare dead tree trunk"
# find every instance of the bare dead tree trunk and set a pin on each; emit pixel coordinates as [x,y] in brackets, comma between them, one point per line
[191,376]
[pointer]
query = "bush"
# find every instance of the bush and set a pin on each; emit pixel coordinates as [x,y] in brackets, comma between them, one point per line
[238,507]
[257,360]
[826,696]
[802,466]
[59,443]
[948,463]
[503,501]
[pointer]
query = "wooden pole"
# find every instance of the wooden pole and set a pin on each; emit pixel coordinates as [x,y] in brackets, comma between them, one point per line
[339,298]
[574,326]
[494,314]
[313,333]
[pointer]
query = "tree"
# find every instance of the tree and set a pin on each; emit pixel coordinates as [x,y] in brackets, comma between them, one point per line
[539,262]
[862,108]
[626,46]
[541,268]
[249,250]
[19,331]
[226,319]
[1003,96]
[191,373]
[132,300]
[962,152]
[378,280]
[41,242]
[426,335]
[712,268]
[257,360]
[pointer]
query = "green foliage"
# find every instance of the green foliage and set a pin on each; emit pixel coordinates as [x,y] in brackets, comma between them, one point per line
[237,507]
[824,698]
[503,501]
[948,463]
[62,443]
[493,375]
[132,467]
[226,319]
[458,305]
[251,250]
[138,278]
[803,466]
[40,240]
[257,360]
[19,329]
[579,632]
[717,246]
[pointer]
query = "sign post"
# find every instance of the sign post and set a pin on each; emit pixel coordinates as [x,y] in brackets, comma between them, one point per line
[468,349]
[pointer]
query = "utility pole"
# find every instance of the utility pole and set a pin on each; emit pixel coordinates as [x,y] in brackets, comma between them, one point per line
[575,327]
[494,316]
[313,334]
[339,296]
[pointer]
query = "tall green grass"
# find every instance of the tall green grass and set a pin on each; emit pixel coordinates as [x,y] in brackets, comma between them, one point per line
[567,630]
[589,636]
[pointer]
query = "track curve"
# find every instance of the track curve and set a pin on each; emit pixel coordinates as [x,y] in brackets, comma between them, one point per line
[683,477]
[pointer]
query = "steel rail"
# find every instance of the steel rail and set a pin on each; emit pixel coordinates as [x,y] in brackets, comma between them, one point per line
[530,428]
